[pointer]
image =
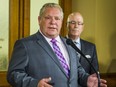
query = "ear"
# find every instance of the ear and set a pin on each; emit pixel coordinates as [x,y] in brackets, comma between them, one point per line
[67,25]
[39,19]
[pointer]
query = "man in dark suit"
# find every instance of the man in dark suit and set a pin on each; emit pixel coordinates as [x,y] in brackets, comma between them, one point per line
[35,62]
[75,25]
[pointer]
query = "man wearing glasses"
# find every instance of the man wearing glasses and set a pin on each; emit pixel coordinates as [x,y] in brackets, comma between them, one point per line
[75,25]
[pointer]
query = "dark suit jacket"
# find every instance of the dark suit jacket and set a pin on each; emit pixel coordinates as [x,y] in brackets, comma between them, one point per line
[33,59]
[89,49]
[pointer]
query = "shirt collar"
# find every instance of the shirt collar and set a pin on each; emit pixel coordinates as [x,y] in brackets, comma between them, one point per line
[49,39]
[77,40]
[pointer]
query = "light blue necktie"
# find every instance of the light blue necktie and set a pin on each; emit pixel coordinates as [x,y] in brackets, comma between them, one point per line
[60,56]
[78,45]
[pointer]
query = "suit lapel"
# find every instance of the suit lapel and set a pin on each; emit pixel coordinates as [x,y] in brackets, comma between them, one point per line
[71,54]
[44,44]
[82,46]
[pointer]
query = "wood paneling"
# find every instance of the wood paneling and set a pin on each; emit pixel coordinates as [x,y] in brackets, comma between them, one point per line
[111,79]
[19,27]
[19,24]
[67,9]
[3,82]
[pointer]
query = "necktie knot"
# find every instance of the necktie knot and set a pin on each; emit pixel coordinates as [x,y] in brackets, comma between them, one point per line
[53,40]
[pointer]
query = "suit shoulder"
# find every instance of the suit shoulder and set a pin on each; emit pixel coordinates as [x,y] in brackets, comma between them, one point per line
[87,42]
[27,39]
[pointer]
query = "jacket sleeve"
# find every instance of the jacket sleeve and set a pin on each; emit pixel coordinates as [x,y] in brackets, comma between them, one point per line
[94,61]
[82,75]
[17,75]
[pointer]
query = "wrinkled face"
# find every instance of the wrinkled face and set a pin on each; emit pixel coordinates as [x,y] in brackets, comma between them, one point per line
[75,25]
[51,22]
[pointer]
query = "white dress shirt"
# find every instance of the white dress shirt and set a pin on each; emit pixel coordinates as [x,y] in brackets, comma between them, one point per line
[61,46]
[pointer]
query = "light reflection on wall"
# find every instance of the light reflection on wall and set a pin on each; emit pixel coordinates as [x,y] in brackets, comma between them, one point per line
[4,34]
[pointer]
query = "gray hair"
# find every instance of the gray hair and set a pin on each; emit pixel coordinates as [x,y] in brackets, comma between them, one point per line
[51,5]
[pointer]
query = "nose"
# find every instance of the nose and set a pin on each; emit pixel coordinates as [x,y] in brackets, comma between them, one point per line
[53,21]
[76,24]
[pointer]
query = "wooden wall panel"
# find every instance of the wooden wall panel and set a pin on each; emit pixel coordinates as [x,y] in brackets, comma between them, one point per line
[67,8]
[19,27]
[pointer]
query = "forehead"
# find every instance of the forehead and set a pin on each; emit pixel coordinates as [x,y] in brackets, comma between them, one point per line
[76,17]
[52,11]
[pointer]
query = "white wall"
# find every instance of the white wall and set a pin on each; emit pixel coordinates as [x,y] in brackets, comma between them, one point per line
[4,33]
[35,7]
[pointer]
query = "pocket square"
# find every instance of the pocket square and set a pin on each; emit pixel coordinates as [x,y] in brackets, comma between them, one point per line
[88,56]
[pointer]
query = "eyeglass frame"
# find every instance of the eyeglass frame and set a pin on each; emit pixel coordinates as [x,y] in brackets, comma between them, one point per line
[74,22]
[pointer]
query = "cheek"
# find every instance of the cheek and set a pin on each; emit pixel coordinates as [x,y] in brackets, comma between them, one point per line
[71,27]
[59,25]
[81,29]
[44,24]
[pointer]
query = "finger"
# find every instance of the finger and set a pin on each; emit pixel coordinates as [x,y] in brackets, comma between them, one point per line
[94,75]
[103,85]
[47,79]
[103,81]
[47,85]
[43,82]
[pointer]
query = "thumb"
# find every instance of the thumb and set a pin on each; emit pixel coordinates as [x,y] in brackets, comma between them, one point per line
[47,79]
[94,75]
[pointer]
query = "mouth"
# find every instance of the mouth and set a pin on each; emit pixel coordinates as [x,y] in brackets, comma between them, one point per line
[51,27]
[75,29]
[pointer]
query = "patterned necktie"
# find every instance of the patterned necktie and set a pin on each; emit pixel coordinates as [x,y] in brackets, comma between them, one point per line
[77,44]
[60,56]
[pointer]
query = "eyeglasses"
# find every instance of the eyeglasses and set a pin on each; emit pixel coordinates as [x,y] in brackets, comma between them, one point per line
[74,22]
